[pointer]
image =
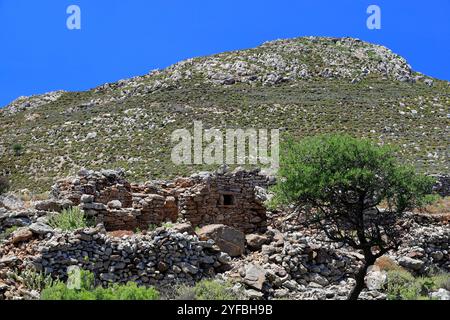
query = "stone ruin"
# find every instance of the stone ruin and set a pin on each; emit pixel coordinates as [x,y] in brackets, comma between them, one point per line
[231,198]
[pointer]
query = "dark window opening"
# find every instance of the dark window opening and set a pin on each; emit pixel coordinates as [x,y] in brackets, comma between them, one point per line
[228,200]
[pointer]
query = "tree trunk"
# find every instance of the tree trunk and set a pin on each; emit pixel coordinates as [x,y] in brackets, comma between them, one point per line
[360,284]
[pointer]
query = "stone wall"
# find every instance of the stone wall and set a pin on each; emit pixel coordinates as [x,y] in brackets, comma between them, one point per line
[442,185]
[424,247]
[162,257]
[228,199]
[231,198]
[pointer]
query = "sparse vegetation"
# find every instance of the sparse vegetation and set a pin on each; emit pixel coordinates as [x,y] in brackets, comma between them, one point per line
[89,291]
[32,279]
[69,220]
[404,286]
[375,108]
[9,231]
[167,225]
[207,290]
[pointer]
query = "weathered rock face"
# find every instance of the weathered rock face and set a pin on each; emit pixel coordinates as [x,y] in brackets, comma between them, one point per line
[228,239]
[232,198]
[255,276]
[410,263]
[375,279]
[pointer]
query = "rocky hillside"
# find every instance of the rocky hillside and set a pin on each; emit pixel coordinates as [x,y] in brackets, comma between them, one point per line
[304,86]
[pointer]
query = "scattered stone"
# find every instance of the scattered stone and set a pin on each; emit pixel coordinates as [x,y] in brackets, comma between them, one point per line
[87,198]
[53,205]
[255,276]
[40,228]
[410,263]
[115,204]
[21,235]
[255,241]
[253,294]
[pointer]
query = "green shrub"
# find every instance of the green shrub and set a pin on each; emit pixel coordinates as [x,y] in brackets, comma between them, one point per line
[402,285]
[34,280]
[69,220]
[89,291]
[214,290]
[17,148]
[4,184]
[443,281]
[330,168]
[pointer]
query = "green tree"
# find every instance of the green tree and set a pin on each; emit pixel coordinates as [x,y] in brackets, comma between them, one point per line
[339,182]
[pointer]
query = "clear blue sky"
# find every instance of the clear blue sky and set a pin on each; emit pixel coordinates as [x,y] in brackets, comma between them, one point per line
[120,39]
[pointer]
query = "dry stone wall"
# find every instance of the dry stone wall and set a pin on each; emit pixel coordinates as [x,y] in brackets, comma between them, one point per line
[231,198]
[228,199]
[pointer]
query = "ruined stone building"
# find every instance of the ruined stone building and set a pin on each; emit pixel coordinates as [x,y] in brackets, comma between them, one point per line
[231,198]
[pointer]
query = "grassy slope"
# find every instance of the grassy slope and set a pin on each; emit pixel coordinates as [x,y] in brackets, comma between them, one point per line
[134,133]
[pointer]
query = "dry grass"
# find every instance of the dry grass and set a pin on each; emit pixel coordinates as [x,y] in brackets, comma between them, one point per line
[441,206]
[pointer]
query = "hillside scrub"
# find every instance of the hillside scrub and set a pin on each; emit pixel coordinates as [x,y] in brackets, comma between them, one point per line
[402,285]
[89,291]
[69,220]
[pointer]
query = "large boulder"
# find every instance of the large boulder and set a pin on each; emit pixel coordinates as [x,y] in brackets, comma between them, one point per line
[228,239]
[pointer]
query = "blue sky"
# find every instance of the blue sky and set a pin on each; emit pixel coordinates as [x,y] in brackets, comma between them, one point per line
[120,39]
